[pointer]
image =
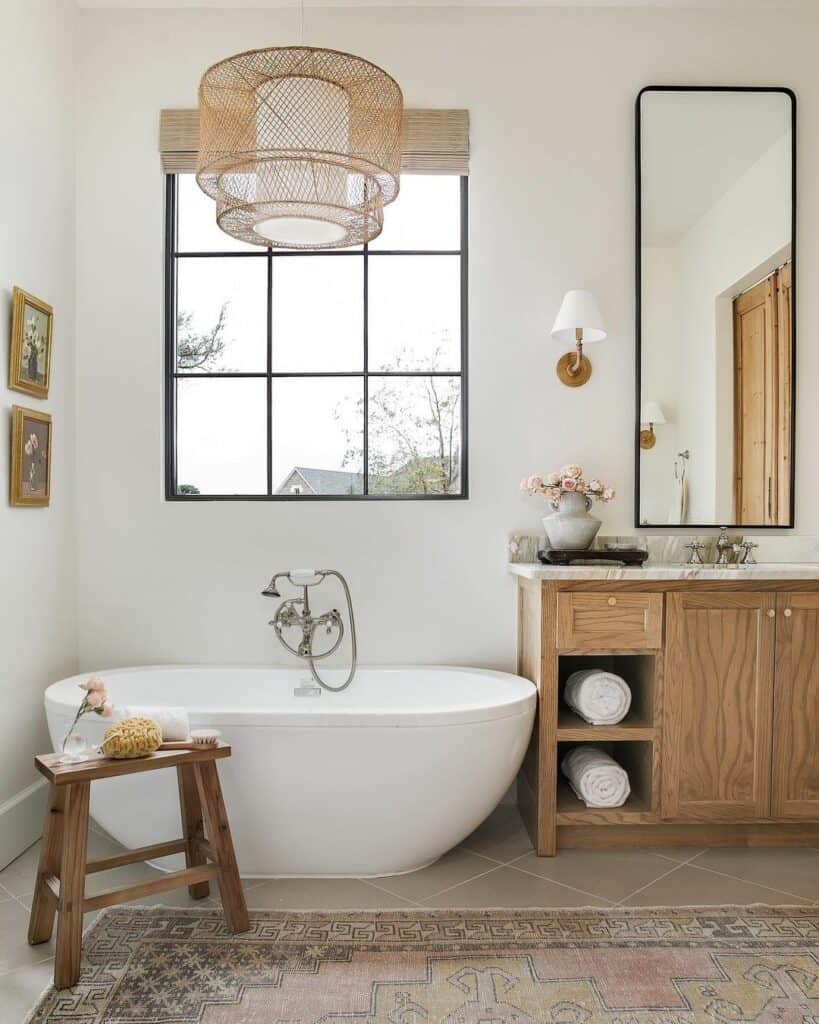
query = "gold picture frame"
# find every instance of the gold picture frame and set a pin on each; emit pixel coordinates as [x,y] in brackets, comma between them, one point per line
[32,322]
[30,457]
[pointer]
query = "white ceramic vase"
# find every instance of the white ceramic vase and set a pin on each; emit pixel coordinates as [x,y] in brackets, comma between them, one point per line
[570,527]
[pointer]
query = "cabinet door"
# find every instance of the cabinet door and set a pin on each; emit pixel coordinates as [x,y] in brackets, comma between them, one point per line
[718,706]
[796,708]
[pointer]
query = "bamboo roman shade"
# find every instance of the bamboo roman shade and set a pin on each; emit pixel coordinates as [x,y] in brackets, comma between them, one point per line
[432,141]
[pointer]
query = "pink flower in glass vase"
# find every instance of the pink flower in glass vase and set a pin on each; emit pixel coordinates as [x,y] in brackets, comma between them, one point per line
[568,483]
[552,494]
[595,486]
[553,479]
[535,483]
[572,470]
[580,486]
[608,494]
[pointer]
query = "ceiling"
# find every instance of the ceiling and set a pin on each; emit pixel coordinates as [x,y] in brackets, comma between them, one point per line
[695,146]
[807,5]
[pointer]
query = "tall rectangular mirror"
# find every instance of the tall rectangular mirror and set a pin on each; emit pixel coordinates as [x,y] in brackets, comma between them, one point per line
[715,306]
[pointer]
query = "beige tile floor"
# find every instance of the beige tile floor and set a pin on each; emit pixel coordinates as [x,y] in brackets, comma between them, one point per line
[494,867]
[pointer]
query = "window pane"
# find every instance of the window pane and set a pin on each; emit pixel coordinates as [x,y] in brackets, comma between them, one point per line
[221,436]
[318,428]
[414,439]
[426,214]
[415,313]
[221,320]
[318,313]
[197,230]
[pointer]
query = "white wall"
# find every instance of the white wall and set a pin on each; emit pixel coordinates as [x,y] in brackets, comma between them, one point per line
[37,600]
[551,94]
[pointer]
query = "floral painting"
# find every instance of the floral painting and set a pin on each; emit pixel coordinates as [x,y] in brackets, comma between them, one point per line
[30,457]
[30,350]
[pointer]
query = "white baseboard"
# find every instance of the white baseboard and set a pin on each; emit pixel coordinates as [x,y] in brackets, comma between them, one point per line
[21,821]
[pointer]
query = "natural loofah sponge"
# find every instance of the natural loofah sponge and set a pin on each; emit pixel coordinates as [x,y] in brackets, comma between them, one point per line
[132,737]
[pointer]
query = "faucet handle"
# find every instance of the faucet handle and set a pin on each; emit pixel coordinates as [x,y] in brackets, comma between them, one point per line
[696,549]
[746,548]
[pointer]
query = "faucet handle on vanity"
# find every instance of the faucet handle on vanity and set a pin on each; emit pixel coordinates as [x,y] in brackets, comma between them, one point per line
[745,549]
[696,548]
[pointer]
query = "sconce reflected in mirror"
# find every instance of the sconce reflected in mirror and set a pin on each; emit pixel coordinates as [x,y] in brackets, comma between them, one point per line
[651,414]
[578,321]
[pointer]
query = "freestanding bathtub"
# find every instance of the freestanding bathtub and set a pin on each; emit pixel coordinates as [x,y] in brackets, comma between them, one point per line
[380,779]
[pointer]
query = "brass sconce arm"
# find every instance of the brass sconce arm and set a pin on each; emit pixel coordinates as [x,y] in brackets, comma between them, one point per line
[573,368]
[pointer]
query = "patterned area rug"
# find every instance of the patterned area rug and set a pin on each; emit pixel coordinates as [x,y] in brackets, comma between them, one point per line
[657,966]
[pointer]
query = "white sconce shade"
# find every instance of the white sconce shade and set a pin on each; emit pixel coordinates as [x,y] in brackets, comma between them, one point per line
[578,321]
[579,312]
[652,413]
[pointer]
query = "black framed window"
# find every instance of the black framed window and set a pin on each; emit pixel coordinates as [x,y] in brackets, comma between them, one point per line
[338,374]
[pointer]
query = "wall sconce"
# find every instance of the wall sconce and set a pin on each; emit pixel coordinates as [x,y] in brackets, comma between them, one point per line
[578,321]
[651,413]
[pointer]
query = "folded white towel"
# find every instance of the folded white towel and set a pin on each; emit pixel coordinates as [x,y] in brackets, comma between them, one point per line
[597,779]
[172,721]
[601,698]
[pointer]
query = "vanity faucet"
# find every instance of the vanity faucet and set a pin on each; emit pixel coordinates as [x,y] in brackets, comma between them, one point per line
[724,547]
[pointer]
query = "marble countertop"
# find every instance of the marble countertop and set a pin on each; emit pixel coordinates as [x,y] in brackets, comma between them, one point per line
[667,571]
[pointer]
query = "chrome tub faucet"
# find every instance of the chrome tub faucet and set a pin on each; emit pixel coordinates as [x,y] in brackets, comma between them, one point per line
[295,613]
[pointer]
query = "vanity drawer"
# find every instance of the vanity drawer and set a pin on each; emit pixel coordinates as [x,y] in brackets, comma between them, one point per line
[599,622]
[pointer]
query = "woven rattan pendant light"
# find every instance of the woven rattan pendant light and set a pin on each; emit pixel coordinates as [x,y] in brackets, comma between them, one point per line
[300,147]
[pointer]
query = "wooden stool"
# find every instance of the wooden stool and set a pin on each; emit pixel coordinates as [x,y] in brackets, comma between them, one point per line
[61,873]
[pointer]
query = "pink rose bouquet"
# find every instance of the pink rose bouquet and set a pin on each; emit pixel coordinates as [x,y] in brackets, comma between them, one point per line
[568,480]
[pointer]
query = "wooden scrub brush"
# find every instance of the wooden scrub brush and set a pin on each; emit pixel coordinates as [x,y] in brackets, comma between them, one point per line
[198,738]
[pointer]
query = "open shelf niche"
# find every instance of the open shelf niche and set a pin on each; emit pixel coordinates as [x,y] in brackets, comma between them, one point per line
[632,742]
[639,671]
[637,757]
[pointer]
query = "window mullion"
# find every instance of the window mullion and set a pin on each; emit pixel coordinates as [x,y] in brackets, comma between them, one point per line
[269,373]
[366,323]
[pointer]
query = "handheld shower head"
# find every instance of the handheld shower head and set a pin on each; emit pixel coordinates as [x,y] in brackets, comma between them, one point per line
[298,577]
[271,590]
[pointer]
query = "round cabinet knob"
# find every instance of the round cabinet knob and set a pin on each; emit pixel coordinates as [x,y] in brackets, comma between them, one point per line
[788,613]
[612,600]
[771,613]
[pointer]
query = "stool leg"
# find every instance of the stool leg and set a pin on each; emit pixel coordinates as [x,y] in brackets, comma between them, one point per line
[190,807]
[72,886]
[221,841]
[43,906]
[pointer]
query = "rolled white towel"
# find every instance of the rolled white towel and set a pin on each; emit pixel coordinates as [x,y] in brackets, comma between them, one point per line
[601,698]
[597,779]
[172,721]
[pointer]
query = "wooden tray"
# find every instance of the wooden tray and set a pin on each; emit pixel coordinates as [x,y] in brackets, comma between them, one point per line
[554,556]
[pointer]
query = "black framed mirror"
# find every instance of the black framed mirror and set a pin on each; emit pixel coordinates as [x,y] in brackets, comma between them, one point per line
[716,309]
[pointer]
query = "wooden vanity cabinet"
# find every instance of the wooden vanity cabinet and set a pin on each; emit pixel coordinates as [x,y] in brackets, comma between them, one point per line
[719,683]
[795,775]
[722,741]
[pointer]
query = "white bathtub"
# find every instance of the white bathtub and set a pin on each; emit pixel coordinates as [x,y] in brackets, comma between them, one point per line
[380,779]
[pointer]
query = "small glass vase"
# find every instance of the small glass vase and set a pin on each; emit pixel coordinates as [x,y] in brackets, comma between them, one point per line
[74,748]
